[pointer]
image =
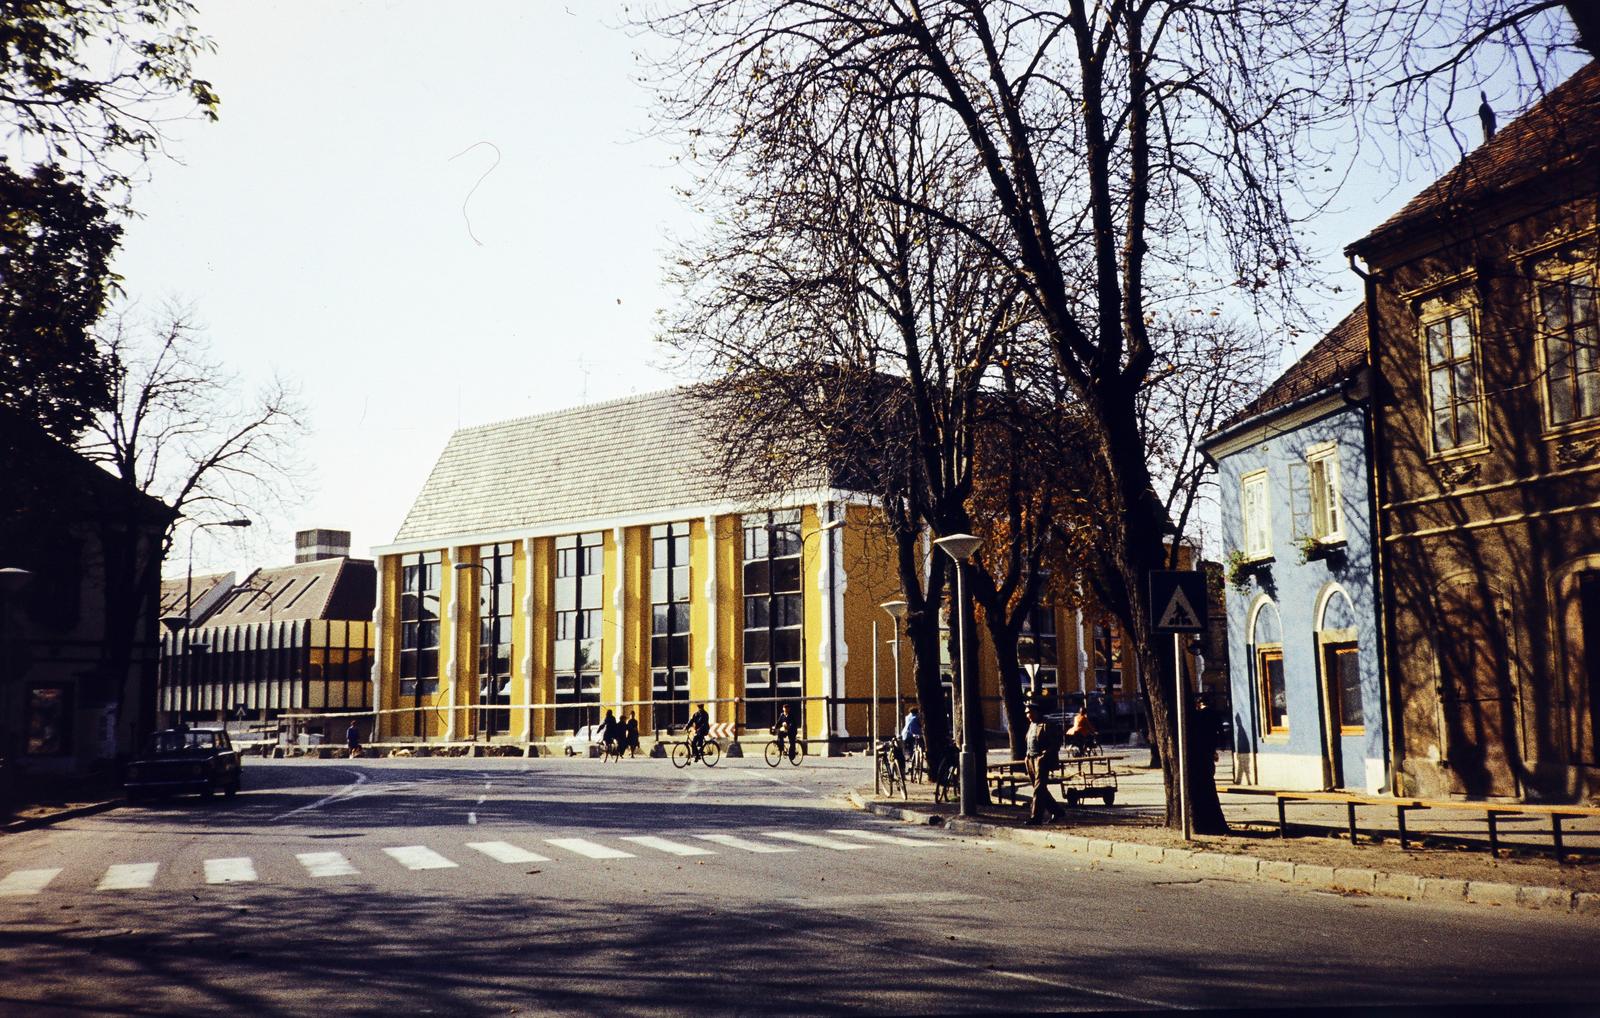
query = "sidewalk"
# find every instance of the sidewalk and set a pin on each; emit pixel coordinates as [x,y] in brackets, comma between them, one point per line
[36,802]
[1453,862]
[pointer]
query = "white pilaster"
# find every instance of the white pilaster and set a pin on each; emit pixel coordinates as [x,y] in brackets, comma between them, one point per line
[619,589]
[713,607]
[527,638]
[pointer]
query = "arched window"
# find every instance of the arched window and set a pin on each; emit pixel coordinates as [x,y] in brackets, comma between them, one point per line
[1341,661]
[1266,647]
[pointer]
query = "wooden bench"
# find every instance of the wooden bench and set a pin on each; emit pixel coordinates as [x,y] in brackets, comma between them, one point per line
[1492,811]
[1009,774]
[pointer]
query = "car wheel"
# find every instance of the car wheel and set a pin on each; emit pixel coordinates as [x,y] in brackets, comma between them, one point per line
[232,790]
[208,791]
[571,751]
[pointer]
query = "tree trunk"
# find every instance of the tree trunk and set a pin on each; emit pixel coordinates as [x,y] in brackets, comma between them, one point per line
[1004,639]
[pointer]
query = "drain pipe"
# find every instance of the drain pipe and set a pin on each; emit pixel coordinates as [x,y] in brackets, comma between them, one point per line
[1371,425]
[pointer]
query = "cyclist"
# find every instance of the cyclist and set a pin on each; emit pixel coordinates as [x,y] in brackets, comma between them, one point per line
[911,731]
[700,726]
[783,730]
[1082,733]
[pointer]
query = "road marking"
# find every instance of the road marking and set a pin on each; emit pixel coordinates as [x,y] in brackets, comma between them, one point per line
[891,839]
[23,882]
[817,840]
[589,849]
[504,851]
[743,844]
[326,864]
[472,818]
[663,845]
[129,876]
[899,898]
[343,793]
[237,870]
[419,857]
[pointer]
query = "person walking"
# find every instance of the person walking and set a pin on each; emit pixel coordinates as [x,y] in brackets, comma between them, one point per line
[631,734]
[1044,743]
[352,739]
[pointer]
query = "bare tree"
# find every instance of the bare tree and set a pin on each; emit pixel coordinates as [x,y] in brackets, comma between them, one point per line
[179,430]
[1101,133]
[846,334]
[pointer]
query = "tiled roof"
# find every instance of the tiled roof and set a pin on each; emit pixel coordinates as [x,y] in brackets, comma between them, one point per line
[624,457]
[305,590]
[1335,357]
[1559,130]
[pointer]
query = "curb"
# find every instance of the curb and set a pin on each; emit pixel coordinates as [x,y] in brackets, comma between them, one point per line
[1339,880]
[29,823]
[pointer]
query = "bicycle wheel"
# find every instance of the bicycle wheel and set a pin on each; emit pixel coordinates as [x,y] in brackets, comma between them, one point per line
[773,754]
[680,754]
[944,790]
[919,770]
[711,754]
[900,773]
[797,752]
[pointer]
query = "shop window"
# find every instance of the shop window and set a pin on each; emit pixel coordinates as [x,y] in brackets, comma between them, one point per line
[49,722]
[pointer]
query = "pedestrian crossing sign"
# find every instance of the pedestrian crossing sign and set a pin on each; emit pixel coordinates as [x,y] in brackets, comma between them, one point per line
[1177,601]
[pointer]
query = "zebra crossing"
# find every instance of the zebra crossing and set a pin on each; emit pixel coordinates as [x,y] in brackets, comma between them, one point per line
[329,864]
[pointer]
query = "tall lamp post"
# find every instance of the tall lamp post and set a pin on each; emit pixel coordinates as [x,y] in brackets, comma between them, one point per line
[960,548]
[188,596]
[492,685]
[897,610]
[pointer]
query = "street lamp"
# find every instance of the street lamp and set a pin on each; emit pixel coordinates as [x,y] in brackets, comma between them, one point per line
[960,548]
[489,686]
[897,610]
[188,597]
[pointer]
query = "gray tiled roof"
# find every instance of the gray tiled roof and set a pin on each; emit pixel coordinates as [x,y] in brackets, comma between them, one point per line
[624,457]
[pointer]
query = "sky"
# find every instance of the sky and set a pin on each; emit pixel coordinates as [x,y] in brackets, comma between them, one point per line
[433,216]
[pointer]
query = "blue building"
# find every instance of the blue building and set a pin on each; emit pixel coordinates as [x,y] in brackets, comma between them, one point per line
[1303,637]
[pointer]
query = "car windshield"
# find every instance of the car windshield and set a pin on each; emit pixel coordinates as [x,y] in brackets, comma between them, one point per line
[180,742]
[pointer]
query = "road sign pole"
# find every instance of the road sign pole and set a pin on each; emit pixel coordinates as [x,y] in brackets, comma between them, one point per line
[1183,736]
[877,765]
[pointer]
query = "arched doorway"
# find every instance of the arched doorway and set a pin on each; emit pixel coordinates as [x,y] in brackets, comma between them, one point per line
[1344,700]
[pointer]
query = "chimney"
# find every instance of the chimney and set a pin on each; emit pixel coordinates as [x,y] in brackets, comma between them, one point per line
[1486,116]
[319,544]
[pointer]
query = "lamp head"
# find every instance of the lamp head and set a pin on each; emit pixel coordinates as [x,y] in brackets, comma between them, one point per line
[13,579]
[175,623]
[959,546]
[899,609]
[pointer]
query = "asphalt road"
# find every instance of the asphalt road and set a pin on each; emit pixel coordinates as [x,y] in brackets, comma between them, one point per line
[577,886]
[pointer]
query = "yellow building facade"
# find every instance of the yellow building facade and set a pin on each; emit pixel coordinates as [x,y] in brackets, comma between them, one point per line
[557,567]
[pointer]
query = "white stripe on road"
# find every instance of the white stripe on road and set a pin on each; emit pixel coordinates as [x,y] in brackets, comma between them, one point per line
[129,876]
[900,898]
[238,870]
[663,845]
[23,882]
[743,844]
[504,851]
[419,857]
[817,840]
[588,849]
[891,839]
[326,864]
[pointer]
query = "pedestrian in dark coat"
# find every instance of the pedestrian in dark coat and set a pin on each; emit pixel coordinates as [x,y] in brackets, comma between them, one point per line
[632,734]
[1044,746]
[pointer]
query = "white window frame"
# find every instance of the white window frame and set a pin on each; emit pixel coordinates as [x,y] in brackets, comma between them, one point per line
[1256,525]
[1327,493]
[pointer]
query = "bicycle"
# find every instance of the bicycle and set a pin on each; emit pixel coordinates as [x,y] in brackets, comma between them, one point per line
[917,763]
[892,766]
[775,752]
[684,753]
[1081,746]
[611,750]
[946,774]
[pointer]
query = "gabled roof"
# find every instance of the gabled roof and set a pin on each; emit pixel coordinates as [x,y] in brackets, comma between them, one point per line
[334,588]
[623,457]
[1560,130]
[1336,357]
[175,592]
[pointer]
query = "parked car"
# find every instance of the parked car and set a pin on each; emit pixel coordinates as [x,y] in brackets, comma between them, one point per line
[585,740]
[181,760]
